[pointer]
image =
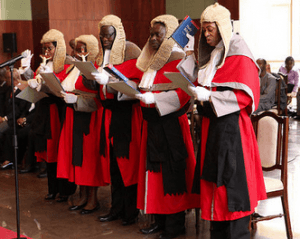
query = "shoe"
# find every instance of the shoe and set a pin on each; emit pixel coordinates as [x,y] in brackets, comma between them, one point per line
[62,199]
[42,174]
[7,165]
[129,222]
[152,229]
[85,211]
[75,207]
[109,217]
[27,170]
[50,196]
[133,219]
[166,235]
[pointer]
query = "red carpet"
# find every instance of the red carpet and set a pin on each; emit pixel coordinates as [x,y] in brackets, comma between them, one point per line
[8,234]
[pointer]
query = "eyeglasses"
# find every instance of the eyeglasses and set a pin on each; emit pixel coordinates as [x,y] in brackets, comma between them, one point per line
[107,36]
[47,49]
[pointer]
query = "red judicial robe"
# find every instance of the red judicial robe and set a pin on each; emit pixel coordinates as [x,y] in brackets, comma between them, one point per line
[93,171]
[128,166]
[241,74]
[151,196]
[50,155]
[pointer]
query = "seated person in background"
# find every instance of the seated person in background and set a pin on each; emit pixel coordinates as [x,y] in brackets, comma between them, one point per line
[293,79]
[281,91]
[293,76]
[297,116]
[267,87]
[3,88]
[6,120]
[25,133]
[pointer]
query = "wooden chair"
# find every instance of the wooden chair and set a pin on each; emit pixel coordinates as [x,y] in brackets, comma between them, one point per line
[272,137]
[279,97]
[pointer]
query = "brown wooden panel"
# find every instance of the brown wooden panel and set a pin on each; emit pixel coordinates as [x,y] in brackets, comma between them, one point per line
[62,9]
[137,32]
[39,9]
[78,10]
[136,16]
[232,6]
[39,28]
[40,25]
[23,30]
[74,18]
[136,10]
[74,28]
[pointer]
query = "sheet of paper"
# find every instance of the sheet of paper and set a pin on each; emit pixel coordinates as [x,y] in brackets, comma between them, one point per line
[86,68]
[31,95]
[53,83]
[84,94]
[179,80]
[124,88]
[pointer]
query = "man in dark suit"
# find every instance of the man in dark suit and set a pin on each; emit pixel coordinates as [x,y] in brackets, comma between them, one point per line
[22,110]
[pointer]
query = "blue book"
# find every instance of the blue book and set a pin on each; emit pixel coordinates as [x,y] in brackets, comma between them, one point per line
[186,26]
[114,72]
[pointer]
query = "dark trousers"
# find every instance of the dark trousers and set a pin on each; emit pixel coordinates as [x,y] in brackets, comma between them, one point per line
[236,229]
[172,223]
[22,136]
[30,160]
[123,199]
[58,185]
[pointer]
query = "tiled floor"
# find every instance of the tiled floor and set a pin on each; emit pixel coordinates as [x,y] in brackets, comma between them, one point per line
[42,219]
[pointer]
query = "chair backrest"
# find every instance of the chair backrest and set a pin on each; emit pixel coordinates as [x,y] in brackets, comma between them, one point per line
[267,132]
[281,93]
[272,137]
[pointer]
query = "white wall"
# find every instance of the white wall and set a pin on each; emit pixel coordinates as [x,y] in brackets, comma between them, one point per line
[266,27]
[181,8]
[15,10]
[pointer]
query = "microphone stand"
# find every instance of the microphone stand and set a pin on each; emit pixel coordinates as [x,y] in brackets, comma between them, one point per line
[15,145]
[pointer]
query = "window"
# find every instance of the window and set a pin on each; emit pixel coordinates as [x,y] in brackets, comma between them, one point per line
[271,29]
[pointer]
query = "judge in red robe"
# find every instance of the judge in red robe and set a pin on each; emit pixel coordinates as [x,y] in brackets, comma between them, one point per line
[228,174]
[47,123]
[79,144]
[167,158]
[120,134]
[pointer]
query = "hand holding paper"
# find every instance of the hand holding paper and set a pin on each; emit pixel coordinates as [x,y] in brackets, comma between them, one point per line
[101,78]
[25,62]
[147,98]
[33,83]
[69,98]
[44,60]
[200,93]
[83,56]
[45,69]
[190,45]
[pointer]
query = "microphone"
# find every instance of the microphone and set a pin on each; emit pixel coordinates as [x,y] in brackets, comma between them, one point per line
[13,60]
